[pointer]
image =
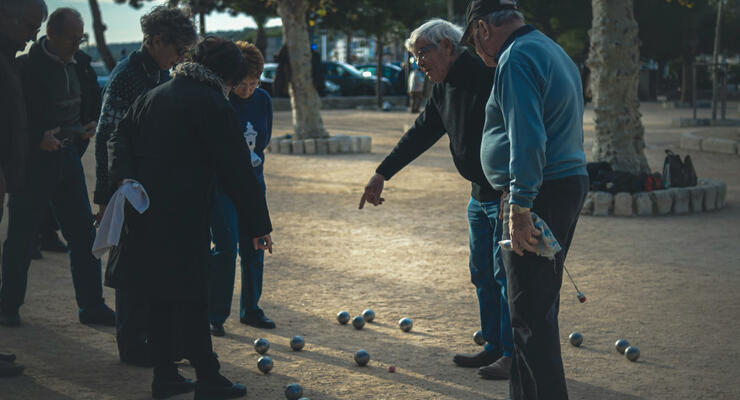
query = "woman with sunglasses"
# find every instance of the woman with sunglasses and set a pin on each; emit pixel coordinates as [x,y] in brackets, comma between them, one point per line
[253,107]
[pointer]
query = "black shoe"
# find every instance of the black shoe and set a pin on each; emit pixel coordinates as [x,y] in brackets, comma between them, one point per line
[477,360]
[258,321]
[36,253]
[218,330]
[52,243]
[168,387]
[8,357]
[9,318]
[10,369]
[100,315]
[218,388]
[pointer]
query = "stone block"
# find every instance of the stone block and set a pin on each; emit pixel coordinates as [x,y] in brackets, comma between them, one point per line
[334,145]
[714,145]
[623,204]
[322,146]
[696,198]
[603,204]
[285,146]
[309,146]
[663,201]
[345,144]
[691,142]
[354,145]
[588,205]
[710,197]
[366,143]
[721,194]
[297,146]
[681,200]
[642,203]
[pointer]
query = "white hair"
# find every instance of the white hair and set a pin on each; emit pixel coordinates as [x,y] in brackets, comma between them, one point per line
[498,18]
[434,31]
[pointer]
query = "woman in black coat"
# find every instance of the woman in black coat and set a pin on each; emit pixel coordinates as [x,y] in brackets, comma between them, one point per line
[176,141]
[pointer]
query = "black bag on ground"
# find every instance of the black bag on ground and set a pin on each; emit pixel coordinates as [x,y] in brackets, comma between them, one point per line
[677,173]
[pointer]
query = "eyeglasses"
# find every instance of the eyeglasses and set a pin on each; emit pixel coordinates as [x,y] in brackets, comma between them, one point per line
[250,85]
[422,52]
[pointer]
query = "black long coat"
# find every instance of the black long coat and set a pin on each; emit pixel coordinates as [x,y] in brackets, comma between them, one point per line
[177,140]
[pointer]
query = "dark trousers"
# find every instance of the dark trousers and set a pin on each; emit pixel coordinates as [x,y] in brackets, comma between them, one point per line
[132,320]
[49,225]
[181,329]
[534,295]
[57,178]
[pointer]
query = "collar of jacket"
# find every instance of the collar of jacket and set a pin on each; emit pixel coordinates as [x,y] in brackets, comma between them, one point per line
[37,54]
[517,33]
[200,73]
[148,63]
[460,70]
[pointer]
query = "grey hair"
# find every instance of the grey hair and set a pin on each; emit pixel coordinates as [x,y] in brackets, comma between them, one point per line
[13,8]
[503,17]
[172,24]
[435,30]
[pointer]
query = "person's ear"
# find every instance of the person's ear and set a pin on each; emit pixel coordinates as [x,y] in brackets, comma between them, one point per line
[447,44]
[157,42]
[483,30]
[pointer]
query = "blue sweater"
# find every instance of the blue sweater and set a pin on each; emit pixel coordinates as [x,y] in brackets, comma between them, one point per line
[534,117]
[257,109]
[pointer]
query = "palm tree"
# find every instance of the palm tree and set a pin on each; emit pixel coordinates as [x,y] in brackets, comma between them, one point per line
[614,60]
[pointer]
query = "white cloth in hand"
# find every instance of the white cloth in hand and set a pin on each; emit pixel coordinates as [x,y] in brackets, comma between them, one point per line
[110,226]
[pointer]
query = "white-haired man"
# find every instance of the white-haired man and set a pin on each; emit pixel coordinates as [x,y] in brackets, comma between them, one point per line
[532,149]
[462,86]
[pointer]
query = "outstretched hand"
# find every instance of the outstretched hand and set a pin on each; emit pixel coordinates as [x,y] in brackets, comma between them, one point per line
[263,243]
[522,232]
[373,189]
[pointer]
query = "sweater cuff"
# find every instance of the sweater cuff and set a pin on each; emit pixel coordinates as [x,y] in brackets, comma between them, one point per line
[522,201]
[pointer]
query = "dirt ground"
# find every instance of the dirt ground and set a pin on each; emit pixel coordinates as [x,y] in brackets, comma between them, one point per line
[670,285]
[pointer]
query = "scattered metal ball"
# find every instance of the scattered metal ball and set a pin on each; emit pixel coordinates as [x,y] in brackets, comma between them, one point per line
[405,324]
[293,391]
[575,339]
[581,297]
[392,368]
[632,353]
[261,345]
[264,364]
[621,345]
[297,343]
[478,338]
[369,315]
[343,317]
[358,322]
[362,357]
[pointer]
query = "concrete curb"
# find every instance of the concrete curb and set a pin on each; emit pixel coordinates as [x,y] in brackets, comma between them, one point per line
[708,195]
[338,144]
[692,141]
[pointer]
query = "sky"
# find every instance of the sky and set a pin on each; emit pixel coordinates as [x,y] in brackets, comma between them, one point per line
[123,21]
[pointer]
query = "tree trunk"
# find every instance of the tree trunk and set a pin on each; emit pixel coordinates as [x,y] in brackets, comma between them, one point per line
[202,24]
[685,81]
[614,60]
[260,39]
[451,10]
[348,55]
[379,72]
[304,99]
[715,59]
[99,29]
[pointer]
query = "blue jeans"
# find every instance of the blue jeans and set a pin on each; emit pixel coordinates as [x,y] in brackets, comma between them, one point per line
[488,275]
[57,178]
[226,242]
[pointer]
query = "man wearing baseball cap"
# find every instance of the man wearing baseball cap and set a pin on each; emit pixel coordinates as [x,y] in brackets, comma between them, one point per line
[531,149]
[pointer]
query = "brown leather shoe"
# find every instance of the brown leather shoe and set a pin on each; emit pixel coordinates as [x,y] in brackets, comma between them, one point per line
[476,360]
[500,369]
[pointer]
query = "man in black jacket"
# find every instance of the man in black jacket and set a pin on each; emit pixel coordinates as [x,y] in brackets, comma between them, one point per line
[457,107]
[63,102]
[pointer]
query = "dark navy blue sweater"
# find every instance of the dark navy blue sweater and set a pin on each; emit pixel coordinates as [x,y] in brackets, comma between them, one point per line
[257,109]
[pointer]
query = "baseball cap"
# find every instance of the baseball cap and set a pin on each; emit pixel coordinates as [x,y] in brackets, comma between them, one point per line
[480,8]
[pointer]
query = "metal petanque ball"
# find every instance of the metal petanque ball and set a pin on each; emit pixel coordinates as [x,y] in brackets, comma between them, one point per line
[358,322]
[264,364]
[478,338]
[297,343]
[405,324]
[575,339]
[632,353]
[581,297]
[621,345]
[293,391]
[261,345]
[343,317]
[369,315]
[362,357]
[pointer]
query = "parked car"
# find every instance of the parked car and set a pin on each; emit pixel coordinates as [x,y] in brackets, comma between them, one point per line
[393,73]
[267,81]
[351,81]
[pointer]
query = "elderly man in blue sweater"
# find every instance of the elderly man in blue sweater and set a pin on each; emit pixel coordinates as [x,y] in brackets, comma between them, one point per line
[531,149]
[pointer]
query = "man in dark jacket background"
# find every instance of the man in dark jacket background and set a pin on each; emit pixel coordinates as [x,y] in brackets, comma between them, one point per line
[21,22]
[462,87]
[63,102]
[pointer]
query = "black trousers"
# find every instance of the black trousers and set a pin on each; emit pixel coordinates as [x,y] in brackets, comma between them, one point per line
[534,295]
[181,329]
[132,325]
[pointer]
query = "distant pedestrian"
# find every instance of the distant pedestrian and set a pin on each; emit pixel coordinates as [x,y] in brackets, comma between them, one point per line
[416,88]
